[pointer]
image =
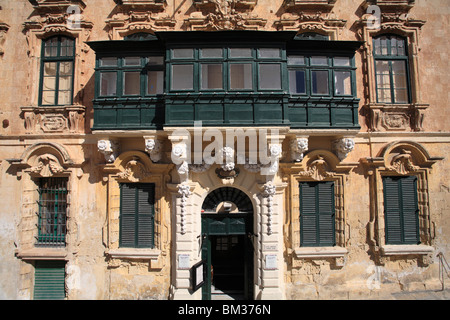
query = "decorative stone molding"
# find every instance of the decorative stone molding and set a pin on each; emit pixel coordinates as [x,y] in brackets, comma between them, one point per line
[299,146]
[3,30]
[317,170]
[135,171]
[316,21]
[307,4]
[110,148]
[46,166]
[184,192]
[139,16]
[391,4]
[268,191]
[65,119]
[224,15]
[399,158]
[199,168]
[153,147]
[343,147]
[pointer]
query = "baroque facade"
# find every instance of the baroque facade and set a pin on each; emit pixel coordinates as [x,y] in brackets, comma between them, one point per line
[217,149]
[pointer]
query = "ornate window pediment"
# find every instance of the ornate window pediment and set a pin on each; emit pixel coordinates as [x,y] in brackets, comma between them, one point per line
[225,15]
[56,5]
[302,4]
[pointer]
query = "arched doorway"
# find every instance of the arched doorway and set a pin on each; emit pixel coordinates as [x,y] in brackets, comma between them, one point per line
[227,230]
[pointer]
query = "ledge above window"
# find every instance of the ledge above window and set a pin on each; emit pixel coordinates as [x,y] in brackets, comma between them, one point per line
[42,254]
[133,253]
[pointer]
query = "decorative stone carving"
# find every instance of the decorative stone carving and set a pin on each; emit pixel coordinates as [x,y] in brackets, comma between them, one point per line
[179,157]
[47,165]
[403,163]
[224,15]
[268,192]
[53,119]
[318,170]
[199,168]
[315,21]
[109,148]
[3,30]
[134,171]
[298,147]
[184,191]
[343,147]
[153,147]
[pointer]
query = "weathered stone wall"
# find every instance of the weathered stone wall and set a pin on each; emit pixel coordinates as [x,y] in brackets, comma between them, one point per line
[92,274]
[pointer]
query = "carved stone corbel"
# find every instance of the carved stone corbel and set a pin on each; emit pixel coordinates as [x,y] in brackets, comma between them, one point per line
[184,192]
[298,147]
[153,147]
[343,147]
[268,191]
[109,148]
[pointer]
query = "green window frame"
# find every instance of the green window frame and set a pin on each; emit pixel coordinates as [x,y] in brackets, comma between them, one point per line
[137,215]
[401,210]
[49,280]
[145,73]
[255,61]
[316,75]
[57,71]
[317,214]
[52,215]
[392,77]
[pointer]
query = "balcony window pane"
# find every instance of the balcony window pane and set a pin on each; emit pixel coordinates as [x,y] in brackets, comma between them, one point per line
[107,62]
[155,61]
[319,61]
[383,81]
[241,76]
[319,82]
[48,97]
[183,53]
[132,83]
[341,61]
[66,47]
[297,60]
[241,52]
[297,82]
[269,53]
[212,76]
[212,53]
[183,77]
[108,83]
[132,61]
[270,76]
[400,83]
[51,47]
[155,82]
[342,83]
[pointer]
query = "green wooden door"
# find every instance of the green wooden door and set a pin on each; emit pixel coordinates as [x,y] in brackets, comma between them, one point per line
[228,252]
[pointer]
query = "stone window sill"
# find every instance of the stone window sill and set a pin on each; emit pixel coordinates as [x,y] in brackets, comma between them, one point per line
[336,253]
[394,250]
[130,253]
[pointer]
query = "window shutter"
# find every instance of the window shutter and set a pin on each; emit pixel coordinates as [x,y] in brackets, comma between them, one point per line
[317,214]
[127,215]
[49,279]
[145,194]
[410,209]
[401,210]
[308,217]
[137,215]
[326,213]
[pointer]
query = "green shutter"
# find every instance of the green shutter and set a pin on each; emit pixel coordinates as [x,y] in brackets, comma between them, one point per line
[401,210]
[49,280]
[137,215]
[317,216]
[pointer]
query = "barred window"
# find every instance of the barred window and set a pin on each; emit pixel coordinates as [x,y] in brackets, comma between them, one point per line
[52,212]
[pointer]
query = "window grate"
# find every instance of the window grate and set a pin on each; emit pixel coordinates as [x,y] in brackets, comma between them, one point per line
[52,227]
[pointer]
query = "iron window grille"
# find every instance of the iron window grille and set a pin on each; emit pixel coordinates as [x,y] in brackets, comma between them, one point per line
[52,214]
